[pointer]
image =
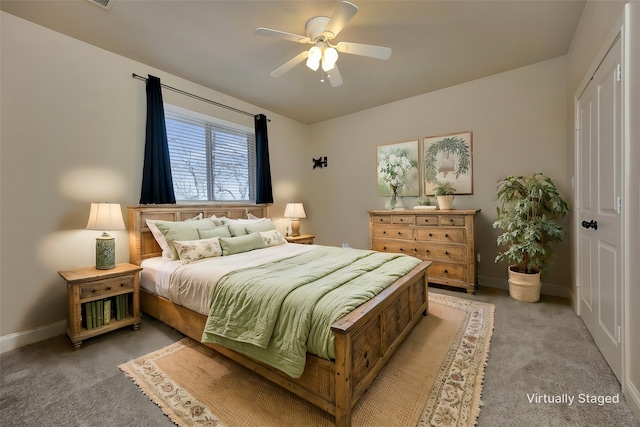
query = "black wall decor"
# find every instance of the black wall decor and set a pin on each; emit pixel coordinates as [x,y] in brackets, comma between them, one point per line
[320,162]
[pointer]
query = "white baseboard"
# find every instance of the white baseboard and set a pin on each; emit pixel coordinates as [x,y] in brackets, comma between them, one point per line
[632,395]
[19,339]
[546,288]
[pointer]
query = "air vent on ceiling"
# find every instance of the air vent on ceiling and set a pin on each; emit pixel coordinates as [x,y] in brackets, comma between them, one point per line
[105,4]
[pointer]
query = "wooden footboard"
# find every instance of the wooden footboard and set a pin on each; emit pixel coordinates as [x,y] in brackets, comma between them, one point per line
[365,339]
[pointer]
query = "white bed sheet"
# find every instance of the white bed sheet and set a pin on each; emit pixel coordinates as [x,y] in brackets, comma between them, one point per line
[192,285]
[156,273]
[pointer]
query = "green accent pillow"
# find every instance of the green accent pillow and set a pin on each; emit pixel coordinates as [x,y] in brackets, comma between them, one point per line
[260,226]
[220,231]
[239,244]
[237,229]
[184,230]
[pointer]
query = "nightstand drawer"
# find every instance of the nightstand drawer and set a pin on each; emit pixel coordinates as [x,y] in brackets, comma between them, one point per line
[106,287]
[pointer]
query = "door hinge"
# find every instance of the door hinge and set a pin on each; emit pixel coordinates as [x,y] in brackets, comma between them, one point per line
[619,73]
[619,205]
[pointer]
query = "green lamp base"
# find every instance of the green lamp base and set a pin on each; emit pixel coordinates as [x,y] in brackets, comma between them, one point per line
[105,252]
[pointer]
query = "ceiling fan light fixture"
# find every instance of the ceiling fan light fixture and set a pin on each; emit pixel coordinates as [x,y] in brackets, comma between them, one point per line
[329,58]
[315,55]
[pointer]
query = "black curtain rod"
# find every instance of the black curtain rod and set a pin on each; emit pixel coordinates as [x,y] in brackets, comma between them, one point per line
[136,76]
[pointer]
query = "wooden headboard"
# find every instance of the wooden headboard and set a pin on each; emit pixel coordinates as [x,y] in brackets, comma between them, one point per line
[143,245]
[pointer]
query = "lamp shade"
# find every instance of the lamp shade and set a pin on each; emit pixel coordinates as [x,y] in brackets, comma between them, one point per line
[294,210]
[105,216]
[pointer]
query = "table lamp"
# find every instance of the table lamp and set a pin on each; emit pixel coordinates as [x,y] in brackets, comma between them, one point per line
[105,217]
[295,211]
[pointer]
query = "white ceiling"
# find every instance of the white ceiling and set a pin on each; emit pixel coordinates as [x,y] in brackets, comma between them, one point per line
[436,44]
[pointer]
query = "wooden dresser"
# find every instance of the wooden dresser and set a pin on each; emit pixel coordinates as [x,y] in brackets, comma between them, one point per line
[444,237]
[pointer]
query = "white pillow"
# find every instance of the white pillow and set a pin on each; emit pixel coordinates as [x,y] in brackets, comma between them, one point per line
[272,238]
[157,234]
[193,250]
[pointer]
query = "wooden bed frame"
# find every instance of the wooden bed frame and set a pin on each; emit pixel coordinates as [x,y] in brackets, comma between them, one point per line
[365,339]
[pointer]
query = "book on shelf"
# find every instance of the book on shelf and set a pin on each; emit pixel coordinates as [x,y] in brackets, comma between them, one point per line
[119,307]
[99,312]
[106,316]
[94,315]
[88,318]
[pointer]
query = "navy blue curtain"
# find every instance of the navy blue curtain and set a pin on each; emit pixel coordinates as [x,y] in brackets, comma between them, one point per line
[157,184]
[264,194]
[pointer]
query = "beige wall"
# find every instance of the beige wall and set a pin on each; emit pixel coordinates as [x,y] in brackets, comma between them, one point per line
[72,133]
[518,119]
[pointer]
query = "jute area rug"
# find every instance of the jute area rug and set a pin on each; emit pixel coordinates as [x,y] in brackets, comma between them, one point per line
[434,378]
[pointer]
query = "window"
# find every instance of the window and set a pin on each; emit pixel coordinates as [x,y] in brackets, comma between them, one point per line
[211,159]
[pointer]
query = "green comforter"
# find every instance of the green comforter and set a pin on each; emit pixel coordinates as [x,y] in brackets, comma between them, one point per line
[278,311]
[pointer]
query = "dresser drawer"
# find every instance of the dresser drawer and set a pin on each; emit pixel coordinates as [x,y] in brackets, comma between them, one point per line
[440,252]
[407,248]
[451,220]
[445,235]
[381,219]
[428,220]
[402,219]
[106,287]
[391,232]
[448,271]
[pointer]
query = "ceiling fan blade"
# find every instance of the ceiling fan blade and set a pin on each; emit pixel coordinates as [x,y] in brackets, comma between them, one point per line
[343,14]
[290,64]
[334,77]
[377,52]
[281,35]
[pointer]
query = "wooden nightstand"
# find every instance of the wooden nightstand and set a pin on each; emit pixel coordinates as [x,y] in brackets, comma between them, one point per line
[89,290]
[303,239]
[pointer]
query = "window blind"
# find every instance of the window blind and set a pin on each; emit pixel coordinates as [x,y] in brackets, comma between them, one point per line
[211,159]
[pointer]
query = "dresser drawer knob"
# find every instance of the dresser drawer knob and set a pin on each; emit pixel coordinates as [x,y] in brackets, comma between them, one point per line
[401,249]
[108,288]
[446,252]
[384,232]
[428,251]
[430,235]
[122,285]
[446,235]
[399,233]
[446,271]
[384,247]
[93,290]
[401,219]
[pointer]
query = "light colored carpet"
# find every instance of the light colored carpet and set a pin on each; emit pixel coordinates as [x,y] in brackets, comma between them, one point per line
[435,378]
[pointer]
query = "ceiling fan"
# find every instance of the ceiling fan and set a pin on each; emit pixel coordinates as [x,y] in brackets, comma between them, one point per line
[320,31]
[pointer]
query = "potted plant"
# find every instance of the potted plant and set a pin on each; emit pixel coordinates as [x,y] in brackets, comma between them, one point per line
[529,208]
[444,192]
[424,202]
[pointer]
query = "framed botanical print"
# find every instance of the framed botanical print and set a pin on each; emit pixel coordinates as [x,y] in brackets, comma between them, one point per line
[398,165]
[448,158]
